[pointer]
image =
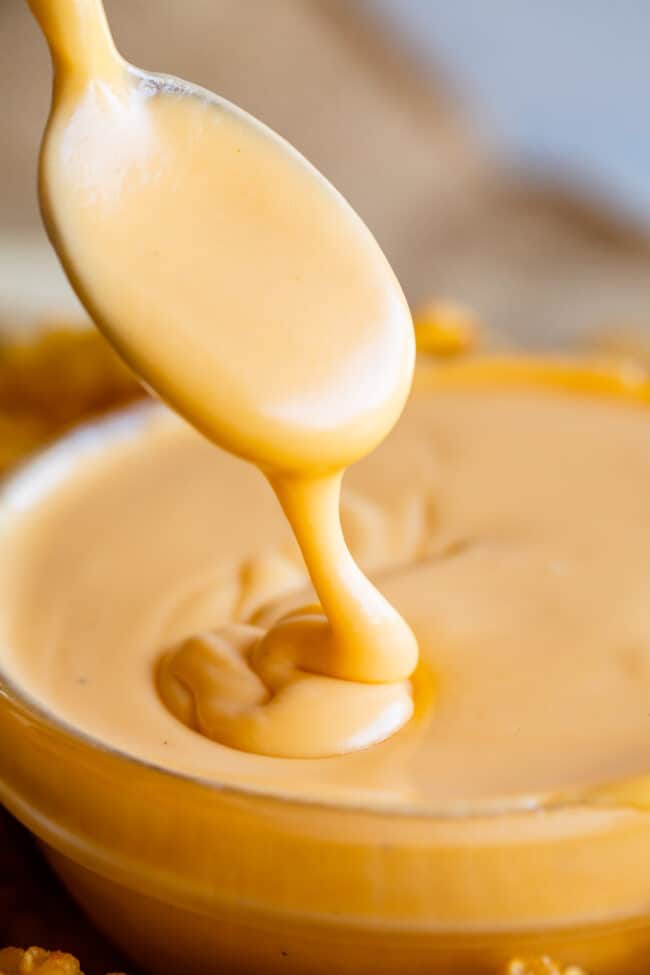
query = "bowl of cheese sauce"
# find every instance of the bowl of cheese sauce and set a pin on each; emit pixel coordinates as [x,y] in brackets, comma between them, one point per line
[506,520]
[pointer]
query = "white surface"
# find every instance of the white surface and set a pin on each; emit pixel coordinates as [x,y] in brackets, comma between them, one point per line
[560,85]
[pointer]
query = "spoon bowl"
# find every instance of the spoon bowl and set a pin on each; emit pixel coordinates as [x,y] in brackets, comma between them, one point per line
[204,245]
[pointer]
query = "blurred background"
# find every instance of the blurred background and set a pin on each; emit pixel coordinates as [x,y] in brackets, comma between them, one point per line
[498,150]
[557,88]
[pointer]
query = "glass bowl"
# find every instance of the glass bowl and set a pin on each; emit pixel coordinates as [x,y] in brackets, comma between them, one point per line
[188,875]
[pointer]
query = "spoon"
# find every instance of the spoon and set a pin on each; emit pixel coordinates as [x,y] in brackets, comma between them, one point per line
[243,290]
[205,246]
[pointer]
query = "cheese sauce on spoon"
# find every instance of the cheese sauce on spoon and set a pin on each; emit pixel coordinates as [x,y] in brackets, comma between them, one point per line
[246,292]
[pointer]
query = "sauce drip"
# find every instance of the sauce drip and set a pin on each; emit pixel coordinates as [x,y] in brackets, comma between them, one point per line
[246,292]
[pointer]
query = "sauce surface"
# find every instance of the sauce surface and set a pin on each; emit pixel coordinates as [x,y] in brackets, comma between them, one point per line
[250,296]
[510,527]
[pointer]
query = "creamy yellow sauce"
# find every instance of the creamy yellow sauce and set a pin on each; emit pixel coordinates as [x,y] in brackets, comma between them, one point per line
[249,295]
[509,526]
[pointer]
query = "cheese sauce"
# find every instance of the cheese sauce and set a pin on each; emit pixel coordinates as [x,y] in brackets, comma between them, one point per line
[509,526]
[244,289]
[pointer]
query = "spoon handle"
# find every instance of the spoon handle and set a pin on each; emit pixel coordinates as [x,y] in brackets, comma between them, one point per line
[78,36]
